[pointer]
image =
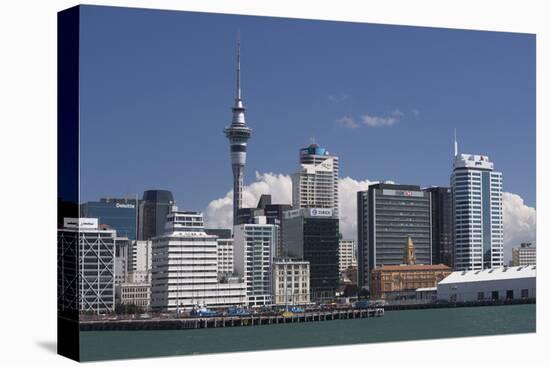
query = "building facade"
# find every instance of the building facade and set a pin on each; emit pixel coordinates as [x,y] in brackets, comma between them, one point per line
[290,282]
[120,214]
[185,268]
[138,294]
[442,225]
[225,257]
[496,284]
[347,254]
[273,214]
[387,214]
[313,235]
[96,265]
[140,262]
[315,185]
[254,249]
[122,245]
[477,213]
[402,281]
[524,255]
[154,207]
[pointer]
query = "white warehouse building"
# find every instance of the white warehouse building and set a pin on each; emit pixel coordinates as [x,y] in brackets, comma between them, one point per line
[505,283]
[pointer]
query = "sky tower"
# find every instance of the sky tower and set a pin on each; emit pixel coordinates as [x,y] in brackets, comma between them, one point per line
[238,134]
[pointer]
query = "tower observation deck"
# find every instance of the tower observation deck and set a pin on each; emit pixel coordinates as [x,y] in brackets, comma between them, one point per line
[238,134]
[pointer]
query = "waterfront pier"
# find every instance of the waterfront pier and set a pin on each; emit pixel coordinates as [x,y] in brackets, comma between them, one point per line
[228,321]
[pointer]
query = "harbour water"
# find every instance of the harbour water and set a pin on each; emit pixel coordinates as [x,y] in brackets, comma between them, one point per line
[394,326]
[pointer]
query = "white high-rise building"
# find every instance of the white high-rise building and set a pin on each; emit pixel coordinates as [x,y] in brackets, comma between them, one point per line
[347,254]
[254,249]
[315,185]
[185,268]
[477,213]
[139,263]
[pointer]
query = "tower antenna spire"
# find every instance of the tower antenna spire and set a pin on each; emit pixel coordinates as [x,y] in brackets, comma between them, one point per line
[456,145]
[239,65]
[238,134]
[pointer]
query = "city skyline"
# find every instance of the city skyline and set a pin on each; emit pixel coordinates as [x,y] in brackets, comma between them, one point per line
[410,95]
[371,168]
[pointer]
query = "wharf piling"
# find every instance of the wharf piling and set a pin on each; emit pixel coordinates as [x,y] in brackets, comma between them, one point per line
[228,321]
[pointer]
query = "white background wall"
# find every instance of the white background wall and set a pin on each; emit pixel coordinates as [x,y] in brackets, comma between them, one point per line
[28,162]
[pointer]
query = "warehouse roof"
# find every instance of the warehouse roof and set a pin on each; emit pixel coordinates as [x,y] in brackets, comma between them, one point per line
[512,272]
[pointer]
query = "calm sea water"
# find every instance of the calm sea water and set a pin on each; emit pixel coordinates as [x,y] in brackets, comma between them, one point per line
[394,326]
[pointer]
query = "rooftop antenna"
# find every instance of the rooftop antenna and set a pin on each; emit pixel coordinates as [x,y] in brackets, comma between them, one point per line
[456,145]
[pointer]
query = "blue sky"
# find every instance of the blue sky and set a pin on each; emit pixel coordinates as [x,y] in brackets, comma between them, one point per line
[157,89]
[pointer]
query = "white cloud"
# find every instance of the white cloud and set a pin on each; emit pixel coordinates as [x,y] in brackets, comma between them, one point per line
[519,222]
[519,219]
[371,121]
[218,213]
[347,122]
[378,121]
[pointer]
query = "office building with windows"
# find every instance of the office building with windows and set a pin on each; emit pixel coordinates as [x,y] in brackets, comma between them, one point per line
[96,267]
[185,268]
[524,255]
[225,257]
[290,282]
[477,213]
[442,225]
[138,294]
[122,248]
[315,184]
[273,214]
[139,261]
[313,235]
[347,254]
[120,214]
[153,209]
[387,215]
[254,249]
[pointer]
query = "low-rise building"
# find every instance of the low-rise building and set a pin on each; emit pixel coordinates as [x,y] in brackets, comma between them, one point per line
[138,294]
[524,255]
[506,283]
[402,281]
[290,282]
